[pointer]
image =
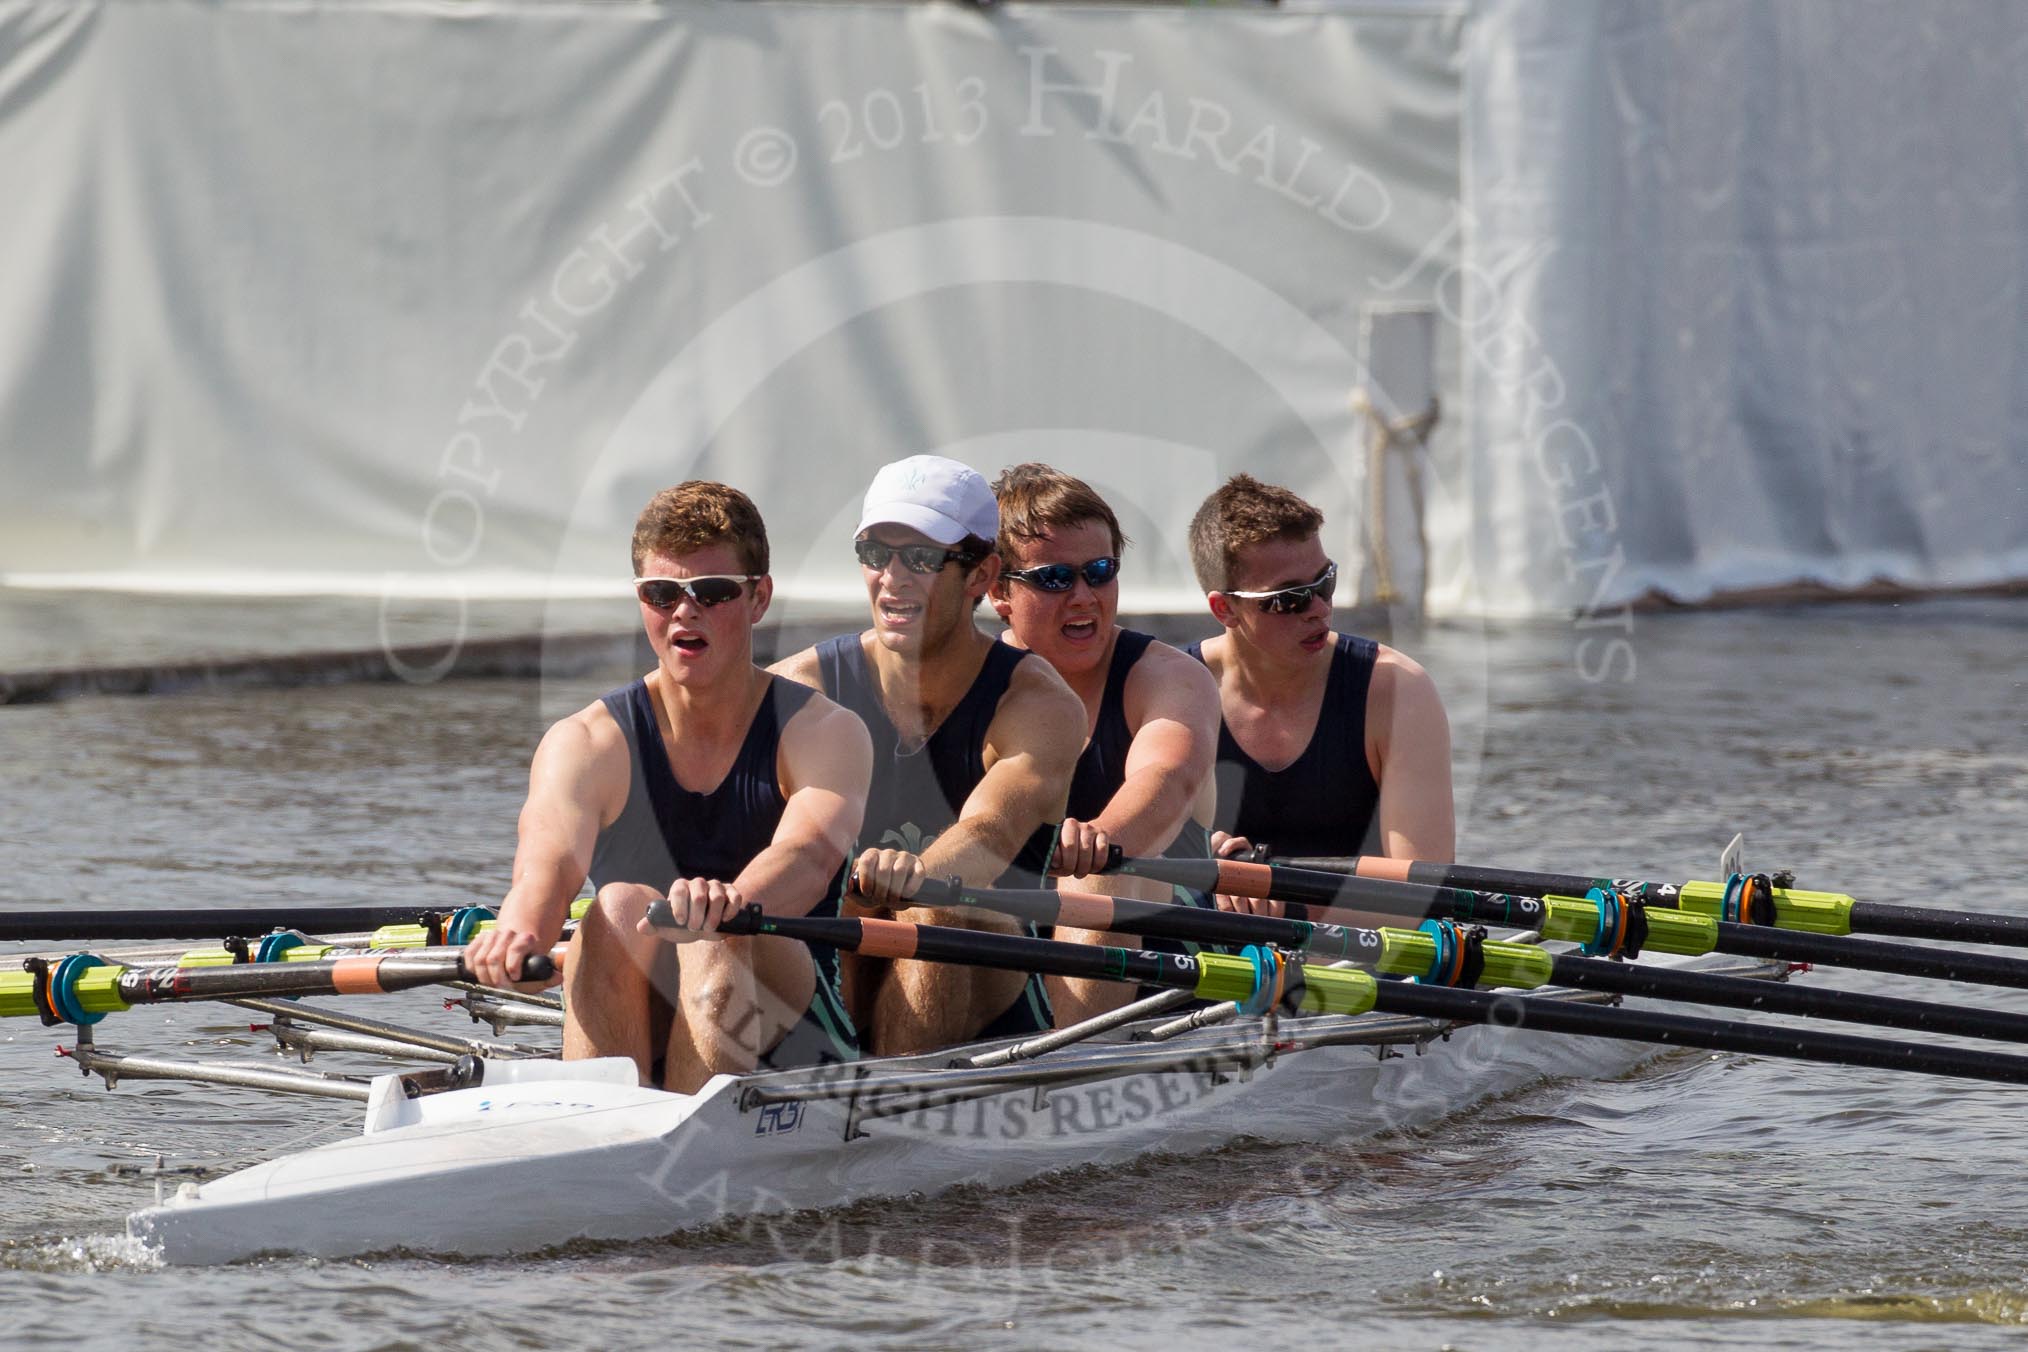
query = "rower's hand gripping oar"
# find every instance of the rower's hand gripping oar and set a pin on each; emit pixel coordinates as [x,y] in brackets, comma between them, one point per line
[1335,990]
[82,989]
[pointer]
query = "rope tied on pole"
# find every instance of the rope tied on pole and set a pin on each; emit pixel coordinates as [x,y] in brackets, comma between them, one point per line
[1386,432]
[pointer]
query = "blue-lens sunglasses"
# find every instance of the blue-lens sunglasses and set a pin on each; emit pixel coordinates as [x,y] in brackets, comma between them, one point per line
[1061,577]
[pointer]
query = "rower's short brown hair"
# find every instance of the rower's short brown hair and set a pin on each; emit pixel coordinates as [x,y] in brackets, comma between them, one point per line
[1036,498]
[1241,513]
[698,514]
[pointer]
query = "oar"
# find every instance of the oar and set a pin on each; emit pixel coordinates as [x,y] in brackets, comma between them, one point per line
[1578,920]
[407,925]
[83,989]
[1333,990]
[1398,952]
[1795,908]
[63,924]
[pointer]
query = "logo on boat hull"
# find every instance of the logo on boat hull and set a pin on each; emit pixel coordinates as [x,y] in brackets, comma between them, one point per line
[776,1118]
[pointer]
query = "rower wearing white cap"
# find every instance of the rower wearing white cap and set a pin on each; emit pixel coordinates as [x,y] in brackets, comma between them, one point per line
[974,745]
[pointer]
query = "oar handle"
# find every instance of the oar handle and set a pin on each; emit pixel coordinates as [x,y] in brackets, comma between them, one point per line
[534,967]
[748,919]
[1116,855]
[928,892]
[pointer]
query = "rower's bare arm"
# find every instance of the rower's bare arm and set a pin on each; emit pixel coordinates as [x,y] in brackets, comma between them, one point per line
[577,783]
[1172,704]
[1409,740]
[1031,749]
[824,764]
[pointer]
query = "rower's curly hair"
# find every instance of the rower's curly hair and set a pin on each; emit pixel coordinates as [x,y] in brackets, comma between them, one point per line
[698,514]
[1036,498]
[1240,513]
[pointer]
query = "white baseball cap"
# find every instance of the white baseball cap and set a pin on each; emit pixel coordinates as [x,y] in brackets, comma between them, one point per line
[940,497]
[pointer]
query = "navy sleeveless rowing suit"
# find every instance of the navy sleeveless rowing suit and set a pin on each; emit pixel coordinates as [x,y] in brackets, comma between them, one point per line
[666,832]
[1103,768]
[917,791]
[1323,802]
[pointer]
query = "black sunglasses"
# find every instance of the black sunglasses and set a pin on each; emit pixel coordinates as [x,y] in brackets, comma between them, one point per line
[916,558]
[1289,600]
[1061,577]
[664,592]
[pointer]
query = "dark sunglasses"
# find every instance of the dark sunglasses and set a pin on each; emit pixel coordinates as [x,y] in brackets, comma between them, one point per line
[1061,577]
[664,592]
[916,558]
[1289,600]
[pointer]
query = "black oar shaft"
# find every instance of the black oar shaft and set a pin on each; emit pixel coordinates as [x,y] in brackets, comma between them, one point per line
[1324,942]
[1866,917]
[1675,1030]
[1410,903]
[972,948]
[1873,955]
[1467,876]
[900,940]
[1758,941]
[1775,997]
[63,924]
[1917,922]
[1154,919]
[336,976]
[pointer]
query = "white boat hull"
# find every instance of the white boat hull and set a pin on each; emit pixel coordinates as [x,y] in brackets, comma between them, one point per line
[546,1153]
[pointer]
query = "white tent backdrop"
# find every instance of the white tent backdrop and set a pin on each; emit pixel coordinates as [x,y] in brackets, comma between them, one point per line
[1750,283]
[401,298]
[344,296]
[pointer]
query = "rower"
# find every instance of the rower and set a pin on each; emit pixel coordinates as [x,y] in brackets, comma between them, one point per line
[1331,744]
[974,743]
[1143,781]
[708,781]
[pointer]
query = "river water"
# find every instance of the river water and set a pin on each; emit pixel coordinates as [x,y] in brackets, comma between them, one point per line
[1698,1201]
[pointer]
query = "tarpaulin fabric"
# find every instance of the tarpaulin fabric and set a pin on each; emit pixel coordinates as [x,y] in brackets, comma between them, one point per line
[426,298]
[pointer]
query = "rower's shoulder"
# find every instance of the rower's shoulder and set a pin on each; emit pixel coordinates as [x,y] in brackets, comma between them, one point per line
[1042,706]
[1035,683]
[583,753]
[591,728]
[823,742]
[1399,669]
[807,666]
[1165,672]
[1168,662]
[818,715]
[804,668]
[1402,694]
[1210,653]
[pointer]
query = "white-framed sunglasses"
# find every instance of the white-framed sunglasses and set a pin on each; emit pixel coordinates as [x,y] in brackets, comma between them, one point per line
[714,590]
[1289,600]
